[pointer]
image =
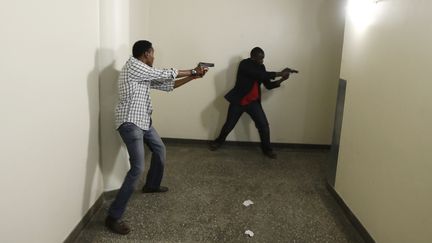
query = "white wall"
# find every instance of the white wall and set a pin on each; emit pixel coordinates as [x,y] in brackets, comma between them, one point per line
[114,51]
[306,35]
[49,152]
[385,154]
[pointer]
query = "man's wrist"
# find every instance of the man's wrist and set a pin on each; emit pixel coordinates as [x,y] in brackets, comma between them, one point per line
[193,72]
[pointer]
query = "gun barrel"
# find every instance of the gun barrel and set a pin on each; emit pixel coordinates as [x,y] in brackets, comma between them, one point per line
[206,64]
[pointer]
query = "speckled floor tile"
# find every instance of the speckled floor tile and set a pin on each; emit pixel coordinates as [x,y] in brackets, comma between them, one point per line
[207,189]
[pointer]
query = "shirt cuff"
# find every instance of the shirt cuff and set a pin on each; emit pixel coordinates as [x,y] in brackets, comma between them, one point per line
[171,85]
[175,72]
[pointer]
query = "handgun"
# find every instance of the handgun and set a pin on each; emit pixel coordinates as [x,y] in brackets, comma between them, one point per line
[292,70]
[206,64]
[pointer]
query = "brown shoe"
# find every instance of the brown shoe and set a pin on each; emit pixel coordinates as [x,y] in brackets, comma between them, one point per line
[117,226]
[152,190]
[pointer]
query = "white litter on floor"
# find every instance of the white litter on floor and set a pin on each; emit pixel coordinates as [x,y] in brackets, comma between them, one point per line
[249,233]
[247,203]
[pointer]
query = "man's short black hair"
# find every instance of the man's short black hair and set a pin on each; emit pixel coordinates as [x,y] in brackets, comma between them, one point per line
[140,47]
[256,51]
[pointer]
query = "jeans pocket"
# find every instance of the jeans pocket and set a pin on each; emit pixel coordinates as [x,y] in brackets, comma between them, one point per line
[127,128]
[130,132]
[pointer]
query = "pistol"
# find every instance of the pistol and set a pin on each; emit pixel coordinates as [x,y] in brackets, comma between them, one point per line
[292,70]
[206,64]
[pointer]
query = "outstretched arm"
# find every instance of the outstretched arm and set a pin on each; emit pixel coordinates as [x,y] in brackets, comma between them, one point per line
[170,84]
[180,82]
[275,84]
[251,71]
[199,71]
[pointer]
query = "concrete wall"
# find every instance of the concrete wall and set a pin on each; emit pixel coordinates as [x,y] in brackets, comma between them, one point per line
[49,160]
[385,152]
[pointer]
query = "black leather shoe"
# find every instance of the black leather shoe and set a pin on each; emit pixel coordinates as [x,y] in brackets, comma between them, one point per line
[117,226]
[152,190]
[270,154]
[214,145]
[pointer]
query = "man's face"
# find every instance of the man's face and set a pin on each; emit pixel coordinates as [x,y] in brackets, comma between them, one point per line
[259,58]
[149,57]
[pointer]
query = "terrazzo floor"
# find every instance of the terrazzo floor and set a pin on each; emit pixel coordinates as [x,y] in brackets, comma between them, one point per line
[207,191]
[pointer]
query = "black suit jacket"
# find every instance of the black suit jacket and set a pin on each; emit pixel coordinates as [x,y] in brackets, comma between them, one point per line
[248,72]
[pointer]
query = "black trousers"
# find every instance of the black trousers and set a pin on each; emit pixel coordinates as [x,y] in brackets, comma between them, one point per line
[256,112]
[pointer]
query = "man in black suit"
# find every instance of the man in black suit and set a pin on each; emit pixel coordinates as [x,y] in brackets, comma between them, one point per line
[246,97]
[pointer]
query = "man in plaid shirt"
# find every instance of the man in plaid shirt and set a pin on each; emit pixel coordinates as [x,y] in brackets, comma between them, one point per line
[133,121]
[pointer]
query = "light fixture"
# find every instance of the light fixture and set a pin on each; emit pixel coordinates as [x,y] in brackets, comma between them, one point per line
[362,13]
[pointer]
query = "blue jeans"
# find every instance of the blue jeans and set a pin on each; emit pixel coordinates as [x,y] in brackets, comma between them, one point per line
[134,138]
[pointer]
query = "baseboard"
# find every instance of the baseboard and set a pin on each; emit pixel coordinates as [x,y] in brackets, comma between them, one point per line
[351,217]
[85,220]
[243,143]
[108,195]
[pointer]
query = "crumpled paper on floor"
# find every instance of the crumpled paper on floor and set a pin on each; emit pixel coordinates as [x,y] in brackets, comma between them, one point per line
[249,233]
[247,203]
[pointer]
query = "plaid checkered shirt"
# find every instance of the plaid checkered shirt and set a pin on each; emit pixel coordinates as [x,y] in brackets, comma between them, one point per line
[134,84]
